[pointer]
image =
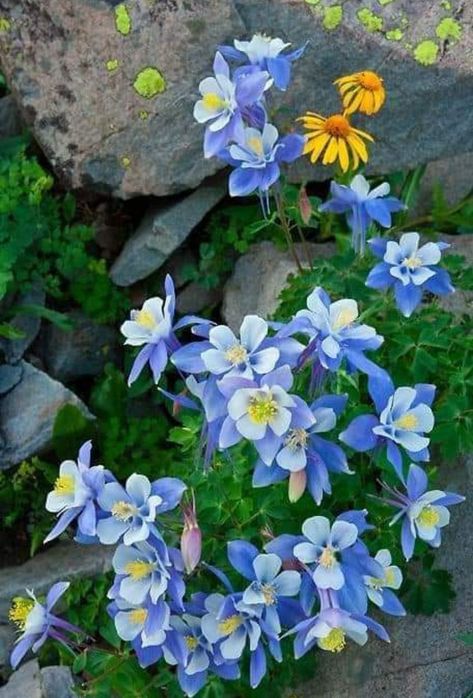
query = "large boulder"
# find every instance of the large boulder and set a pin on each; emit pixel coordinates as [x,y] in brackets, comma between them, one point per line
[108,87]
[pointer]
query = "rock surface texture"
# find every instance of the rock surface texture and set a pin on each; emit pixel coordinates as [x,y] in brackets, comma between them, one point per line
[27,414]
[108,87]
[259,277]
[32,682]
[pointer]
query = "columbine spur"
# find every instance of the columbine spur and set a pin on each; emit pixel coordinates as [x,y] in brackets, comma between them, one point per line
[409,269]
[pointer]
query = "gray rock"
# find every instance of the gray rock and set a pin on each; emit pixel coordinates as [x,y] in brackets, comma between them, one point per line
[65,560]
[7,639]
[454,177]
[10,119]
[26,323]
[9,377]
[460,244]
[259,277]
[195,297]
[82,351]
[27,415]
[425,658]
[24,683]
[57,682]
[162,230]
[59,56]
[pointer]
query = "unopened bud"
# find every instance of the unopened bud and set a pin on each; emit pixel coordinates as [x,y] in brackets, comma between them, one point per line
[297,485]
[191,539]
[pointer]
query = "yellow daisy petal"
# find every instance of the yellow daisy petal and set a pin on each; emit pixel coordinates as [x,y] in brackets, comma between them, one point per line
[343,154]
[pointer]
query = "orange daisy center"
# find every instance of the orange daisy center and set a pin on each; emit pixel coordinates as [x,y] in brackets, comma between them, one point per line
[370,81]
[337,125]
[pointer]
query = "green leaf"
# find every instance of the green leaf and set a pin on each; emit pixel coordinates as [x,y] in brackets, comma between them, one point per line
[71,429]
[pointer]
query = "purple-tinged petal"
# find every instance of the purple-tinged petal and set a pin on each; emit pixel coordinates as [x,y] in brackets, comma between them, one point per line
[378,246]
[241,555]
[292,147]
[243,181]
[407,539]
[189,357]
[55,593]
[395,458]
[391,604]
[359,433]
[63,522]
[84,454]
[257,665]
[250,89]
[379,277]
[140,362]
[20,649]
[170,489]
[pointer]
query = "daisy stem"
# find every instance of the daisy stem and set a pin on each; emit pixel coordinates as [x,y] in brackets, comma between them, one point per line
[287,231]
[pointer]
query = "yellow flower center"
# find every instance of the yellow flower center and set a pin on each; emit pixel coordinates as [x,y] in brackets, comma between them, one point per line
[123,511]
[297,438]
[256,145]
[334,641]
[191,642]
[428,516]
[146,319]
[20,610]
[64,485]
[344,318]
[413,262]
[139,569]
[236,355]
[389,576]
[138,616]
[337,125]
[269,594]
[230,624]
[376,582]
[370,81]
[262,410]
[213,101]
[407,421]
[327,558]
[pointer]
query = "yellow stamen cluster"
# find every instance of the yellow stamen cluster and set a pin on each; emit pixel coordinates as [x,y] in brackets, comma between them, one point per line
[191,642]
[262,410]
[412,262]
[407,421]
[345,318]
[20,610]
[64,484]
[236,355]
[334,137]
[213,101]
[428,516]
[230,624]
[139,569]
[146,319]
[327,559]
[269,594]
[297,438]
[256,145]
[363,92]
[334,641]
[138,615]
[123,511]
[389,576]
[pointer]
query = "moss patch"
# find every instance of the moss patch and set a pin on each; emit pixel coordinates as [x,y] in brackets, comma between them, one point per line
[143,115]
[332,17]
[5,25]
[126,162]
[370,20]
[394,35]
[122,19]
[449,29]
[112,64]
[385,2]
[426,52]
[149,82]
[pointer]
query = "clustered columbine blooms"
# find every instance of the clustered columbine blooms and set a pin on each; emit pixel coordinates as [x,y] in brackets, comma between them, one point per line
[317,585]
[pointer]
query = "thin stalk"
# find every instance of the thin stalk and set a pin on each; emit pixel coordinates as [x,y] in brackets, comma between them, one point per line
[287,231]
[304,245]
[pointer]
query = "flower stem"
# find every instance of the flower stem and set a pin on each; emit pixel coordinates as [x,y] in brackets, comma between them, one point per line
[286,229]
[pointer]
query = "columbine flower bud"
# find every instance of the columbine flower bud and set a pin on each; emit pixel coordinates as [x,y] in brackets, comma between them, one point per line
[297,485]
[191,539]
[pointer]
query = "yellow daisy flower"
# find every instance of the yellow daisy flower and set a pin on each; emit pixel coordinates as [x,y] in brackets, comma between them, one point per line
[337,137]
[363,92]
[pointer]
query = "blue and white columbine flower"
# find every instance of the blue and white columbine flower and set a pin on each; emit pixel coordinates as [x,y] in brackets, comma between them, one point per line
[223,101]
[305,457]
[226,355]
[143,570]
[362,207]
[75,493]
[144,623]
[379,589]
[324,543]
[231,626]
[424,513]
[404,418]
[37,623]
[133,509]
[267,54]
[334,334]
[257,156]
[409,269]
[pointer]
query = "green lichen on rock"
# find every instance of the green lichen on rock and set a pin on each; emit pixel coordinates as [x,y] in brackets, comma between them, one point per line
[449,29]
[332,17]
[149,82]
[122,19]
[112,64]
[426,52]
[5,25]
[446,4]
[370,20]
[385,2]
[126,162]
[312,2]
[394,34]
[143,115]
